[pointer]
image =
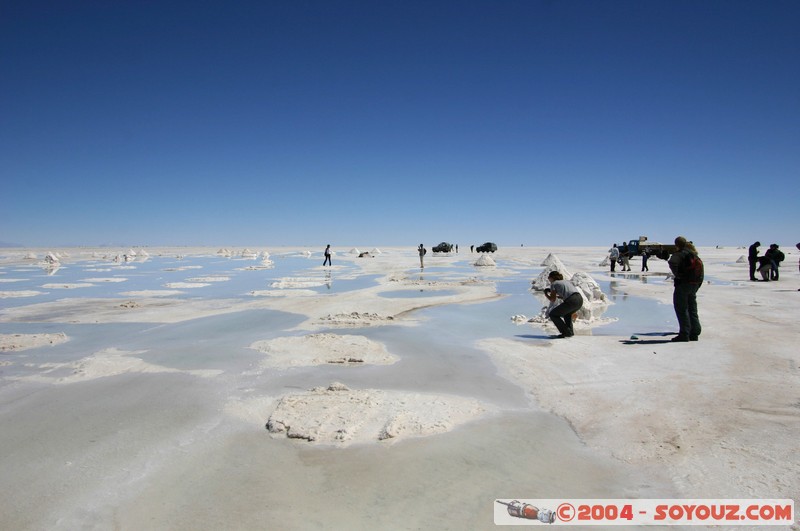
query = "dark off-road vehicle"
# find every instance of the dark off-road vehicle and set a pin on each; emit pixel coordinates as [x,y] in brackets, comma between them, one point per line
[443,247]
[659,250]
[487,247]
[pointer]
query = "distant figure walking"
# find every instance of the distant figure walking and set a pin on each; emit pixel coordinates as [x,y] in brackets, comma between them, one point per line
[572,301]
[613,256]
[471,248]
[327,255]
[456,248]
[687,269]
[625,254]
[752,259]
[422,252]
[645,256]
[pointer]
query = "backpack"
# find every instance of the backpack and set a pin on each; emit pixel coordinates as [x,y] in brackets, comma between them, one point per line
[692,269]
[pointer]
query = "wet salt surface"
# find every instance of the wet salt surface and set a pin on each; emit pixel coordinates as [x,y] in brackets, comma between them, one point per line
[207,343]
[437,356]
[230,278]
[521,448]
[417,292]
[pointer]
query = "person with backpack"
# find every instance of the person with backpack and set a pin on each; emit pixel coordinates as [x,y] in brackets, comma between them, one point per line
[327,256]
[775,256]
[422,252]
[687,269]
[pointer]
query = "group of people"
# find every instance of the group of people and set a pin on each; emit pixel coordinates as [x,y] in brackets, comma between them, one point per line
[688,273]
[687,270]
[620,255]
[767,265]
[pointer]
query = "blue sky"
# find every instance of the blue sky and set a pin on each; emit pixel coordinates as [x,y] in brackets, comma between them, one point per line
[398,122]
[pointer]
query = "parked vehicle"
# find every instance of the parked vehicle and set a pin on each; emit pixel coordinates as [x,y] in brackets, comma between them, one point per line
[487,247]
[443,247]
[659,250]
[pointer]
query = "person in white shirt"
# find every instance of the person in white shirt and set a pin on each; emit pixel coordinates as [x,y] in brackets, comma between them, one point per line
[613,255]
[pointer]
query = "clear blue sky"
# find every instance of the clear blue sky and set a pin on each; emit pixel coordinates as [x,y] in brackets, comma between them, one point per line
[398,122]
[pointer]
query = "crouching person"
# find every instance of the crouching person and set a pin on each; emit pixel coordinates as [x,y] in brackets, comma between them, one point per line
[572,301]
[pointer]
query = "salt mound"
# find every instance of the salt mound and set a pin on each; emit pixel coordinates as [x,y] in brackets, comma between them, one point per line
[595,301]
[322,349]
[355,251]
[551,263]
[51,258]
[606,262]
[30,256]
[742,259]
[225,252]
[485,260]
[247,253]
[375,251]
[339,415]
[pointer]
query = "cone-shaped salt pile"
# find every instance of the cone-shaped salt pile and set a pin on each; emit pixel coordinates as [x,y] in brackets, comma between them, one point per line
[485,260]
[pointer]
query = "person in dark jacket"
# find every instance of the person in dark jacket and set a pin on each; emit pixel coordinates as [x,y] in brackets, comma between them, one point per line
[775,256]
[625,256]
[752,259]
[684,296]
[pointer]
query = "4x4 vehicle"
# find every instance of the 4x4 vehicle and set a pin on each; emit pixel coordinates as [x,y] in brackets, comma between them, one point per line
[659,250]
[487,247]
[443,247]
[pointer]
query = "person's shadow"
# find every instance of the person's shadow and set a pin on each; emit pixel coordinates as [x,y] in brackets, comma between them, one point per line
[634,339]
[532,336]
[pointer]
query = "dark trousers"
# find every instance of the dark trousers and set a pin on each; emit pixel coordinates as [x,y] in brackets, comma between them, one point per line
[684,299]
[753,267]
[774,274]
[327,260]
[613,263]
[561,315]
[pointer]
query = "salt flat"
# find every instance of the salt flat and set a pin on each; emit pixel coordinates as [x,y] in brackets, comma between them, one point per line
[143,399]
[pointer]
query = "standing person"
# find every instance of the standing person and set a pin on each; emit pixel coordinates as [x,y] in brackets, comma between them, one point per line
[613,255]
[456,248]
[565,290]
[798,260]
[752,259]
[422,251]
[625,254]
[471,248]
[327,255]
[645,256]
[687,269]
[775,256]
